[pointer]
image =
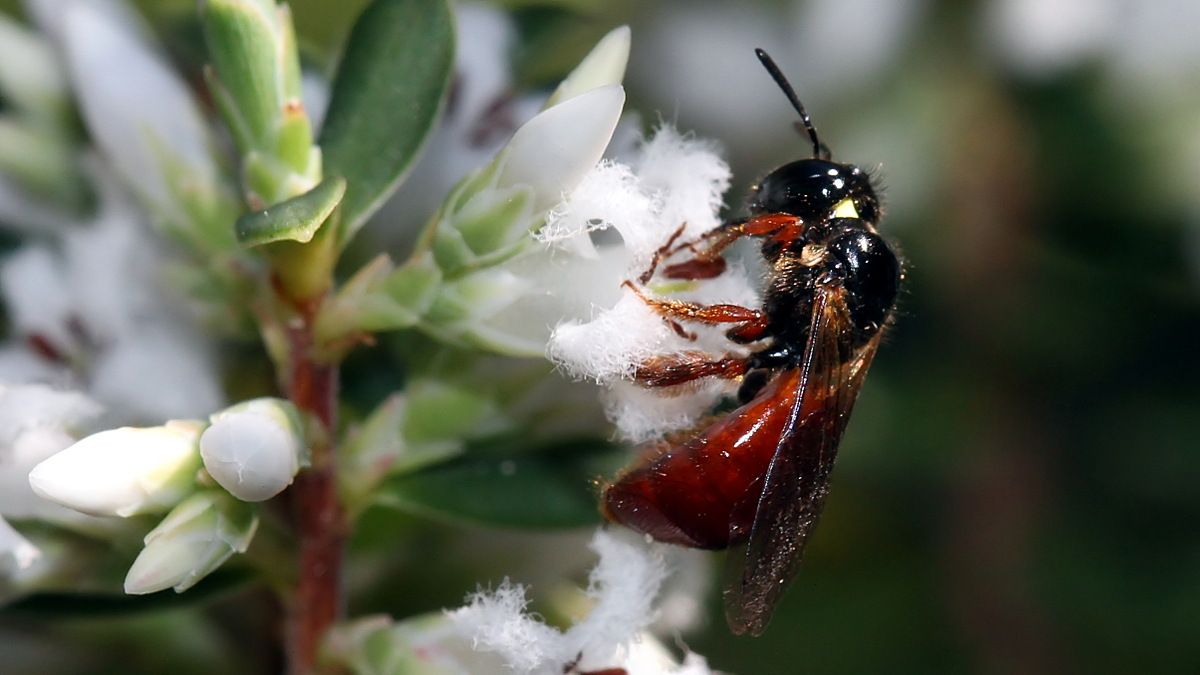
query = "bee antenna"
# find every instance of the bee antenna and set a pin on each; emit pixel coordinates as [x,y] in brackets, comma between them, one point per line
[819,149]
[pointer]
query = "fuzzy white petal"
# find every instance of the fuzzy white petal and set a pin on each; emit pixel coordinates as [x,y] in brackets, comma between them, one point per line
[691,178]
[641,414]
[609,196]
[123,471]
[552,152]
[610,346]
[622,586]
[496,621]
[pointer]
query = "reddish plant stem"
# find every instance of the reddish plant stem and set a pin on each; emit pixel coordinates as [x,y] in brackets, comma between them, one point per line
[318,515]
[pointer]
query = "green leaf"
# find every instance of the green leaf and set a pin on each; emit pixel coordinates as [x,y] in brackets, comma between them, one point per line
[243,42]
[51,605]
[387,96]
[551,488]
[296,219]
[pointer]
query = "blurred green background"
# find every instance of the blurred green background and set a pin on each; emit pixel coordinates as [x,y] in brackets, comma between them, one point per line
[1017,491]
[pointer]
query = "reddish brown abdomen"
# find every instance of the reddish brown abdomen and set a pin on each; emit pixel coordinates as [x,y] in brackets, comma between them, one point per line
[702,493]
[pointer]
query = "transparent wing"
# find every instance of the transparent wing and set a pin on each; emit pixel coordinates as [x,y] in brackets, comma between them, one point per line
[793,490]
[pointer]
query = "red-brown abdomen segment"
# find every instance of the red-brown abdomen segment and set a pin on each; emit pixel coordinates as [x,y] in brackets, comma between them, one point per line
[702,492]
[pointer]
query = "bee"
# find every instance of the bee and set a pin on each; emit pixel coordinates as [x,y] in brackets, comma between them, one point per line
[754,480]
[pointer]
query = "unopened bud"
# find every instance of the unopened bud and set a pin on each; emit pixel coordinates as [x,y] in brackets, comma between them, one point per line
[255,448]
[197,537]
[122,472]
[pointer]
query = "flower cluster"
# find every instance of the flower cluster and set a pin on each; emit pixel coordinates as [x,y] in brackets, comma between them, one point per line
[116,422]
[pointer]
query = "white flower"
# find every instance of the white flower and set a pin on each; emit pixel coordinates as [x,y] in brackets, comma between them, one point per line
[606,232]
[98,301]
[197,537]
[255,448]
[552,152]
[490,215]
[123,472]
[622,589]
[35,422]
[604,64]
[137,109]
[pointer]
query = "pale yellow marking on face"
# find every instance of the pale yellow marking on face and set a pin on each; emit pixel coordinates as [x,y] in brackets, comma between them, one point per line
[845,209]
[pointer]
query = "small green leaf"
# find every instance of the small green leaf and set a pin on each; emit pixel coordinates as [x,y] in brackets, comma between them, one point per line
[552,488]
[296,219]
[387,96]
[379,297]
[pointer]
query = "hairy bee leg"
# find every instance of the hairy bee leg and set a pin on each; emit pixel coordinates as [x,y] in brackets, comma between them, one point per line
[710,314]
[662,253]
[667,371]
[707,261]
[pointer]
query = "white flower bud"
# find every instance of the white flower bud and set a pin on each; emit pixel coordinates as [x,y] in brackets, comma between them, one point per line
[122,472]
[254,449]
[604,65]
[197,537]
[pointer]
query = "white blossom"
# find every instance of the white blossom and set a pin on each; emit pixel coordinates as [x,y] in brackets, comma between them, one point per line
[115,72]
[622,589]
[604,331]
[553,151]
[604,64]
[98,299]
[36,421]
[254,449]
[122,472]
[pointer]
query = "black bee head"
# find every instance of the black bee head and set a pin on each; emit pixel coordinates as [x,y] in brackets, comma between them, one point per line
[816,190]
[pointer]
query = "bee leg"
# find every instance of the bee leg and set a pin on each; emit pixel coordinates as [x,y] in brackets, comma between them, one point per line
[753,319]
[749,331]
[707,261]
[663,252]
[667,371]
